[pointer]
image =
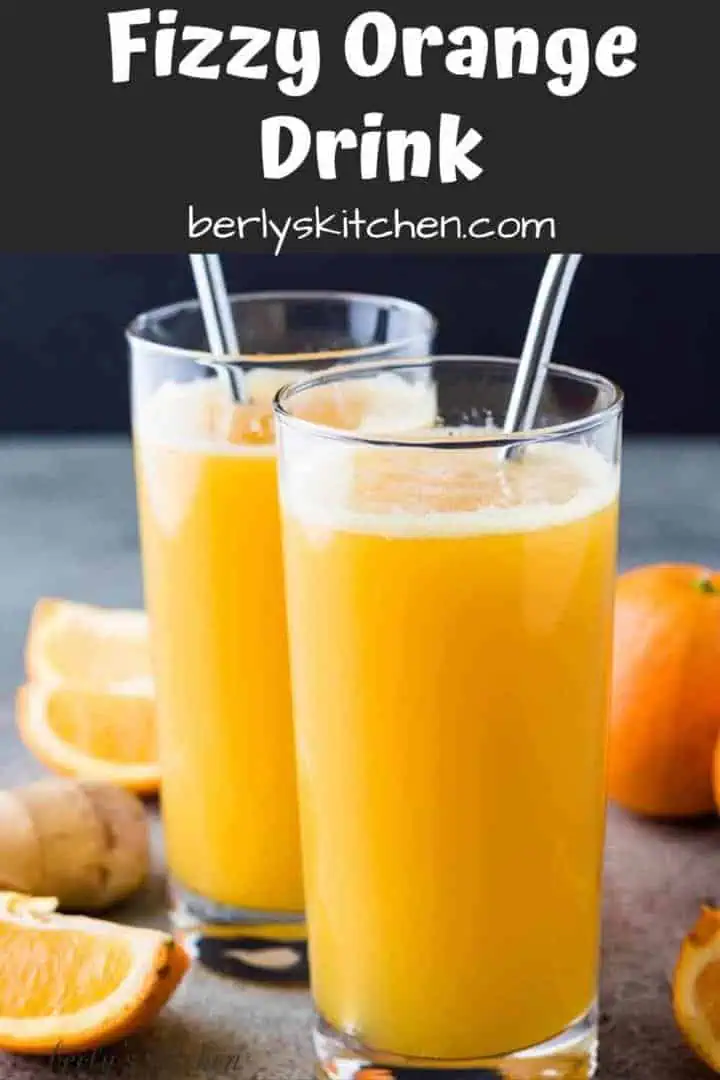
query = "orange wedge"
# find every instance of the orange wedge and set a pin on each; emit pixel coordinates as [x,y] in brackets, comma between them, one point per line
[82,645]
[90,735]
[696,987]
[88,710]
[70,983]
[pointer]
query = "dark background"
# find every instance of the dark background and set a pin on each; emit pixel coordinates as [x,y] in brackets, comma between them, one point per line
[652,323]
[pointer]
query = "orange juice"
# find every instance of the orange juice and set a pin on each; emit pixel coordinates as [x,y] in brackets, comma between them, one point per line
[450,626]
[210,521]
[213,578]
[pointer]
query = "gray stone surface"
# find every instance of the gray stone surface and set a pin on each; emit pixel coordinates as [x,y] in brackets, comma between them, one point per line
[69,529]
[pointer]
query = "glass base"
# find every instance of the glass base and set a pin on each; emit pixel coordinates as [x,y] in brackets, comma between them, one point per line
[263,946]
[571,1055]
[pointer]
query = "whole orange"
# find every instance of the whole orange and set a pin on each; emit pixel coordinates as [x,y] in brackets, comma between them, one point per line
[665,713]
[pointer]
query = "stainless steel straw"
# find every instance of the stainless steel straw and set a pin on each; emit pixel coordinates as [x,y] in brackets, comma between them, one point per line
[218,318]
[539,344]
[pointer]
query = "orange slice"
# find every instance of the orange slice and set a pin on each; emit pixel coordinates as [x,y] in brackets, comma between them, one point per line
[696,987]
[88,710]
[93,647]
[91,735]
[70,983]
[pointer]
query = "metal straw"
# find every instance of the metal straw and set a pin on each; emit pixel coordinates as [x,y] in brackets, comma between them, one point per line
[539,344]
[218,318]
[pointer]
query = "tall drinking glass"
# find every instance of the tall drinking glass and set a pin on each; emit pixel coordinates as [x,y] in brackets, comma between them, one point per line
[210,530]
[450,597]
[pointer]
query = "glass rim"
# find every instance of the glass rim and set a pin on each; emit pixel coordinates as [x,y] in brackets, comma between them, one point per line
[134,330]
[492,441]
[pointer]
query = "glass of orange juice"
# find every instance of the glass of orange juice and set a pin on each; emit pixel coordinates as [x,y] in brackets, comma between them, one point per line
[210,537]
[450,599]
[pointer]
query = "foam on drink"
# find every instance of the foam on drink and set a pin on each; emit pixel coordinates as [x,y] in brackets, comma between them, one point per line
[421,491]
[200,415]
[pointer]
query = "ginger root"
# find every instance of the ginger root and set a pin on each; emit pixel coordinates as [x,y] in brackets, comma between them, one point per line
[86,844]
